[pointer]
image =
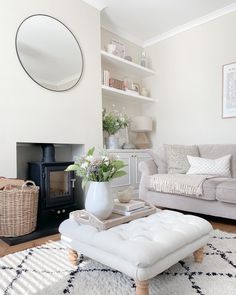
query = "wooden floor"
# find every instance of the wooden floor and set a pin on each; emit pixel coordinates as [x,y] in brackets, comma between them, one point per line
[6,249]
[228,226]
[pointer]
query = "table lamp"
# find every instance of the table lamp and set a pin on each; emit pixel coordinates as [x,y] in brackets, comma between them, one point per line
[141,125]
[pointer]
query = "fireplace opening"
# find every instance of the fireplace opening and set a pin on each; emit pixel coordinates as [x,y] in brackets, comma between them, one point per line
[60,191]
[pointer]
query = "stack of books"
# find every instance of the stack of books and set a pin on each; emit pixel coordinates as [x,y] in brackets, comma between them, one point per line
[130,208]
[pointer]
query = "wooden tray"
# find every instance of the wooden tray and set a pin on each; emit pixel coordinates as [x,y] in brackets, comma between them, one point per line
[84,217]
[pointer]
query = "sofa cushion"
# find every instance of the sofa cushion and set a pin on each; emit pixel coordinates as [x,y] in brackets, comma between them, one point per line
[220,166]
[159,157]
[214,151]
[210,188]
[176,156]
[226,191]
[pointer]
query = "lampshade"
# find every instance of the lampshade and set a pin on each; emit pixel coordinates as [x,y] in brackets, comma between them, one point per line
[141,124]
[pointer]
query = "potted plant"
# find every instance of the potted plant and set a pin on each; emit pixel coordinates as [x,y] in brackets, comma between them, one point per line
[98,171]
[112,123]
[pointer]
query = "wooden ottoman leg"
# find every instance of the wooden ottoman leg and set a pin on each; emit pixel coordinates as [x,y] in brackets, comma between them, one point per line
[142,288]
[198,255]
[73,256]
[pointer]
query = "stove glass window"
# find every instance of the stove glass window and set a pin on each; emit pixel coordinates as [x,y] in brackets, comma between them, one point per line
[59,184]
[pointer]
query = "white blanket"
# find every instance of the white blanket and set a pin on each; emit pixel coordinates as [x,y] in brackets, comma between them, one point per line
[182,184]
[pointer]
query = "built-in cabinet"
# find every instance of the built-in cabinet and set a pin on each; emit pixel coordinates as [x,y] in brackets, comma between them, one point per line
[131,158]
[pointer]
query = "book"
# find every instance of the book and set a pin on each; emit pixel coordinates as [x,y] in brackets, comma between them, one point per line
[106,77]
[128,213]
[132,205]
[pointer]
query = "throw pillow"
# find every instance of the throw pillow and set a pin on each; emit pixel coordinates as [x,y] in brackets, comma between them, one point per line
[176,156]
[219,167]
[158,156]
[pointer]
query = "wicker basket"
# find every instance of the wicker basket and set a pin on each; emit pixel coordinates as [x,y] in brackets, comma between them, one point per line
[18,210]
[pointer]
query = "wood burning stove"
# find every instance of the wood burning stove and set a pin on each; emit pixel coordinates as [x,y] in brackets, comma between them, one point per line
[57,186]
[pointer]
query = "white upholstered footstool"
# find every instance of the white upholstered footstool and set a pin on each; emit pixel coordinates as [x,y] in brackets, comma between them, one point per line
[142,248]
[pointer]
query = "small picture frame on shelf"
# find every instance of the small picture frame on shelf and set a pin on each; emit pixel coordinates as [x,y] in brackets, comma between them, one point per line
[119,48]
[229,91]
[135,87]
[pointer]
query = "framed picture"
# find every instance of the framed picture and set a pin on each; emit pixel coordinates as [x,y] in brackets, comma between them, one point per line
[136,87]
[229,91]
[120,48]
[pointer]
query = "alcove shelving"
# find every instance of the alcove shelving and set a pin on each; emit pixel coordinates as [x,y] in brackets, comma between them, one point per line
[121,94]
[126,68]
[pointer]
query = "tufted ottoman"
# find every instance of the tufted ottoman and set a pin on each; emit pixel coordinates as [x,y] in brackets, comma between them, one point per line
[142,248]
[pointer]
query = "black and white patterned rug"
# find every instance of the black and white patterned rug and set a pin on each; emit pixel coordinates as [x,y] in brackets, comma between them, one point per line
[45,270]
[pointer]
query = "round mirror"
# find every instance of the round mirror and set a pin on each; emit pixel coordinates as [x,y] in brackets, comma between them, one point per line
[49,52]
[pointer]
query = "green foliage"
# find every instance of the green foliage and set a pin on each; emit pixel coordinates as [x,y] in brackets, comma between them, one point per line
[113,122]
[104,167]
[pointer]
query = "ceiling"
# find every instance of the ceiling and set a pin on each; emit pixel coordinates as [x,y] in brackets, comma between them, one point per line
[147,21]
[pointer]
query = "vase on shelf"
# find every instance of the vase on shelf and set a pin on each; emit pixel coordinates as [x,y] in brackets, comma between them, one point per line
[112,142]
[99,200]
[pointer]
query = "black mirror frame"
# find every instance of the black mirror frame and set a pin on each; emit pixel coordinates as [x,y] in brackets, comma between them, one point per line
[82,70]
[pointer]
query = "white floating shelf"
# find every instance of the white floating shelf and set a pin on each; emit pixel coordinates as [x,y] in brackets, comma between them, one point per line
[126,66]
[117,93]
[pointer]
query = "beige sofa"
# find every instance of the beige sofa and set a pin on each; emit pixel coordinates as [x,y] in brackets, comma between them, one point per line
[219,194]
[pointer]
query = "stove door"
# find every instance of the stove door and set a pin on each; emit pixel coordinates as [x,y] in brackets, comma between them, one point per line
[59,186]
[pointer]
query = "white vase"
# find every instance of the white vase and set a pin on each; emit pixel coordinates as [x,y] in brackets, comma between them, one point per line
[99,200]
[112,142]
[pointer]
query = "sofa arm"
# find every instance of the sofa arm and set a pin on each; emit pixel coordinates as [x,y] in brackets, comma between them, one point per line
[147,168]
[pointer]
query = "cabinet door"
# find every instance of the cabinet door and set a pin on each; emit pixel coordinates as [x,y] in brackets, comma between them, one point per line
[125,180]
[137,158]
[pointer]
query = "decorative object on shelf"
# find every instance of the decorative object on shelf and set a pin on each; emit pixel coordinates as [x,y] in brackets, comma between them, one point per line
[99,171]
[127,144]
[135,87]
[229,91]
[115,83]
[111,48]
[129,58]
[112,142]
[126,83]
[143,61]
[112,123]
[144,92]
[120,48]
[141,125]
[106,77]
[126,195]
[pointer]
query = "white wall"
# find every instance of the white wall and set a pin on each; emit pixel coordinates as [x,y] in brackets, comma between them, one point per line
[188,84]
[30,113]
